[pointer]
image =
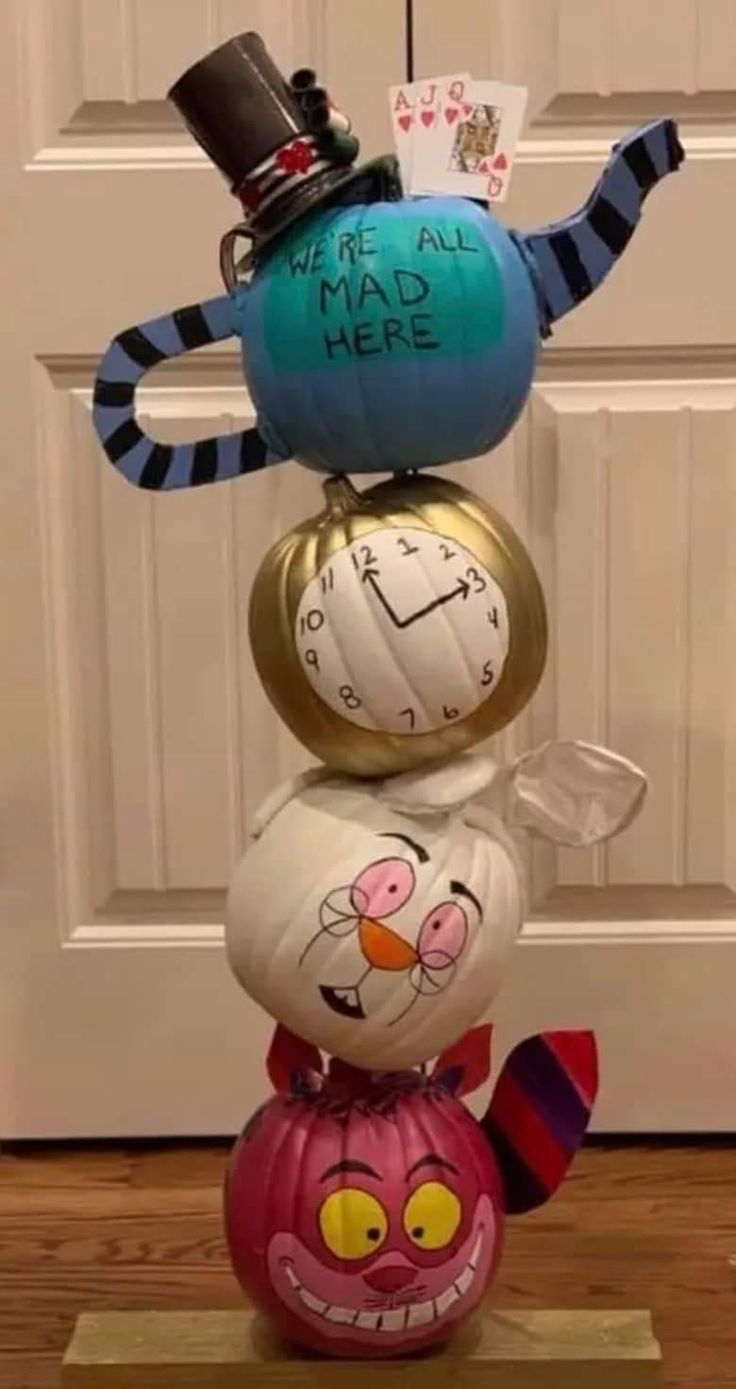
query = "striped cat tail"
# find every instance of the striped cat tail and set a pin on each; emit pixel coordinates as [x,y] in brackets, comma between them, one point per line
[539,1114]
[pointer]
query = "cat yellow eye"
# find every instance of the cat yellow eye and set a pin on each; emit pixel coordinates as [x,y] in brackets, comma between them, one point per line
[432,1215]
[353,1223]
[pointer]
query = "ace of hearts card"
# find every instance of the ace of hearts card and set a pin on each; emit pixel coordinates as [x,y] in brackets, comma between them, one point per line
[416,109]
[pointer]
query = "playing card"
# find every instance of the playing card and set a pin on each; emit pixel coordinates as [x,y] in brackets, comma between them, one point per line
[414,108]
[471,144]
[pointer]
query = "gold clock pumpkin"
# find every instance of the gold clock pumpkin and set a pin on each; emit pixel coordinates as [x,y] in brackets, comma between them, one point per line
[402,624]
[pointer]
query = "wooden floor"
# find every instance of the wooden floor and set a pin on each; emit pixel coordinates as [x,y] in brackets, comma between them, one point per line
[635,1226]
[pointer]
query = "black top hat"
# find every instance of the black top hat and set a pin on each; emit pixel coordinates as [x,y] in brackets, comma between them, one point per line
[282,147]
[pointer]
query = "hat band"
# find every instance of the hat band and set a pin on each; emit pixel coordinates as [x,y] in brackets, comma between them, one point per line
[289,166]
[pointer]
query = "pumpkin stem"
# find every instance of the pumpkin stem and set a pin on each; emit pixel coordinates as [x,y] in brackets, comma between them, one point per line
[340,494]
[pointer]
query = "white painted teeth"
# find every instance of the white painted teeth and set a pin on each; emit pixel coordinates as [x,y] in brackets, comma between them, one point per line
[368,1320]
[346,1315]
[394,1319]
[446,1299]
[315,1304]
[420,1313]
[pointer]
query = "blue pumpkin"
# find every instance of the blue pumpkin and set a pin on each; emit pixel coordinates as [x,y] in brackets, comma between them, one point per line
[393,336]
[383,337]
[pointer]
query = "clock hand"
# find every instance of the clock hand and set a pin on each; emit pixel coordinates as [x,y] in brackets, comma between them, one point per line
[369,577]
[462,589]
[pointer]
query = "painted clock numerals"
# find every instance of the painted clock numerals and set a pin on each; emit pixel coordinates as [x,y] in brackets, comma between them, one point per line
[404,632]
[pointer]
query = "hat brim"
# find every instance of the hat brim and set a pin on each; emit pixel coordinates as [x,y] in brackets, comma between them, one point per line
[382,180]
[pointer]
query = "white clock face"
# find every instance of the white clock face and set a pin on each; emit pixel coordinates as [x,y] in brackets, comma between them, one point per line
[403,631]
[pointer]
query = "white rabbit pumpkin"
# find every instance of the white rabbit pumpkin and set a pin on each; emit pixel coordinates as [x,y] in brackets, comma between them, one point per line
[375,919]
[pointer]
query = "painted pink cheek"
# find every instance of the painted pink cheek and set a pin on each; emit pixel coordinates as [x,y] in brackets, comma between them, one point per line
[383,887]
[442,936]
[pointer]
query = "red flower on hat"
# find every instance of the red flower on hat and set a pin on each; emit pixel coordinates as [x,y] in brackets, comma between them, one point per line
[296,158]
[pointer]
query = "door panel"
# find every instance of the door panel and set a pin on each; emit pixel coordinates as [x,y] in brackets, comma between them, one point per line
[624,474]
[138,742]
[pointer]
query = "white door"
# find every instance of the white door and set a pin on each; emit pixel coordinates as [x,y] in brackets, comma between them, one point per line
[622,476]
[135,740]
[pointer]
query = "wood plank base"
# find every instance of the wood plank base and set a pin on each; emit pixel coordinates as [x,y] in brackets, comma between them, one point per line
[230,1349]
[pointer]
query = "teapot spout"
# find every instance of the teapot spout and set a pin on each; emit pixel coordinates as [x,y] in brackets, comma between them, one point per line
[569,259]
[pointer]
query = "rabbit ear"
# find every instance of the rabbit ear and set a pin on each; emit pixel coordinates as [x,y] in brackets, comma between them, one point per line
[441,787]
[281,795]
[572,793]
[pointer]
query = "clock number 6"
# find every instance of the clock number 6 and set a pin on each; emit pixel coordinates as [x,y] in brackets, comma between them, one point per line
[349,697]
[450,713]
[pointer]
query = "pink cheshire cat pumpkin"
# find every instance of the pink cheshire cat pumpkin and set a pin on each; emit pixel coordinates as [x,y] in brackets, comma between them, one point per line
[365,1211]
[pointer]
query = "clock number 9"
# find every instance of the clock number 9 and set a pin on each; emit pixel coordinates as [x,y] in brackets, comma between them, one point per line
[312,622]
[349,697]
[311,658]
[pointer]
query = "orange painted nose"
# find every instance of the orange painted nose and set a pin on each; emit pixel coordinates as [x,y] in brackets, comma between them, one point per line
[382,947]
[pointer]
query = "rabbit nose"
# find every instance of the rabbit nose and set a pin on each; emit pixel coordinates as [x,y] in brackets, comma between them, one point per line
[383,948]
[390,1279]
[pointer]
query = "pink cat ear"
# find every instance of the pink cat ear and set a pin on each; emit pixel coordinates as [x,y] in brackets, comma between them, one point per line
[293,1065]
[465,1066]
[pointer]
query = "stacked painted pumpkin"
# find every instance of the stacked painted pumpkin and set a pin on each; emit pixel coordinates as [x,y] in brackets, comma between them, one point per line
[376,906]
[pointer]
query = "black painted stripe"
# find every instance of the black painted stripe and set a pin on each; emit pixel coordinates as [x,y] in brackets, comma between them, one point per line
[642,166]
[204,462]
[576,276]
[523,1189]
[675,152]
[607,223]
[156,466]
[192,326]
[122,440]
[113,392]
[252,451]
[139,348]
